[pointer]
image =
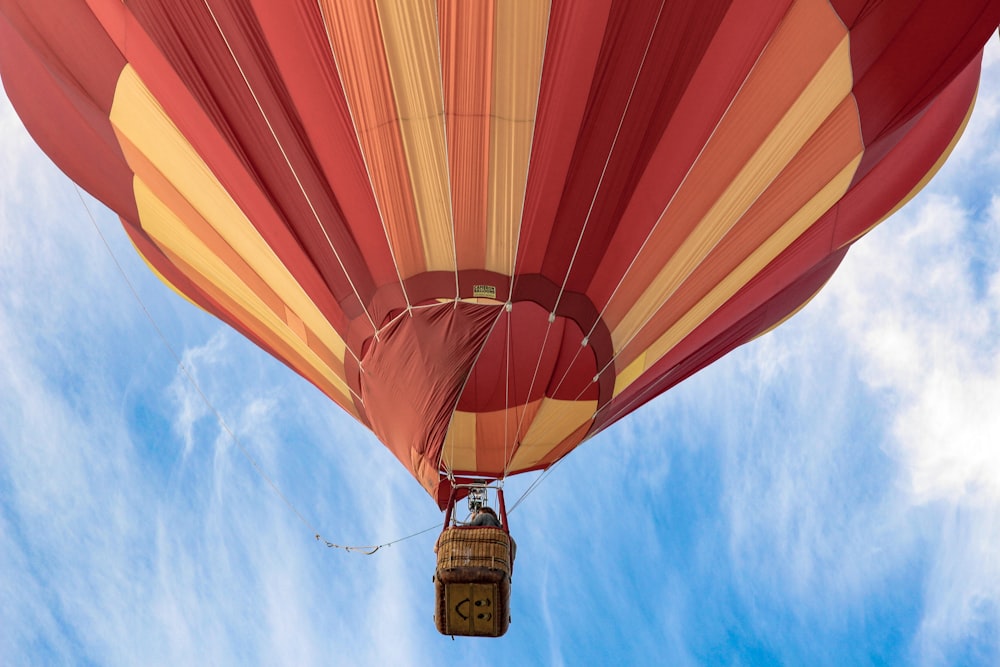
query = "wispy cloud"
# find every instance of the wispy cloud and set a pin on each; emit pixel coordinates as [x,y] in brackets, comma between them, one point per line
[835,484]
[900,461]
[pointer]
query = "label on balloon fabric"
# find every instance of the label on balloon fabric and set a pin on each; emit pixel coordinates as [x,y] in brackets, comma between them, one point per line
[488,291]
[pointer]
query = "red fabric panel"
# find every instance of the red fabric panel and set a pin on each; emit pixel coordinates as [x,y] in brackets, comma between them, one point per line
[59,70]
[720,334]
[414,373]
[538,355]
[298,42]
[487,388]
[72,44]
[903,53]
[574,371]
[649,54]
[571,49]
[912,156]
[180,55]
[742,35]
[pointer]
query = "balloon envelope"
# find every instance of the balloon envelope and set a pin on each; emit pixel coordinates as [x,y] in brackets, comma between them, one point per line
[488,230]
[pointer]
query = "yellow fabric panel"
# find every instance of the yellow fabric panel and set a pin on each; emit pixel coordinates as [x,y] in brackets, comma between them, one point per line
[355,35]
[630,373]
[138,117]
[521,30]
[409,31]
[466,38]
[459,451]
[831,84]
[555,421]
[170,232]
[162,278]
[923,181]
[755,263]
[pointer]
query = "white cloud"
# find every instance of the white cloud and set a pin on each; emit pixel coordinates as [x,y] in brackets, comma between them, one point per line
[919,304]
[795,482]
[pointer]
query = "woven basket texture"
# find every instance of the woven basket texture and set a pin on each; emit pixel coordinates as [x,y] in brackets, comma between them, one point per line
[479,546]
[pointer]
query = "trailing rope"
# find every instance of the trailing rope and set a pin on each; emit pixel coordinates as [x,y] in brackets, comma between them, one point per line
[367,550]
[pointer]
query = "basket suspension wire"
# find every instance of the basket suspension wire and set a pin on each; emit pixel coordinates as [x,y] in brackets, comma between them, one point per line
[367,550]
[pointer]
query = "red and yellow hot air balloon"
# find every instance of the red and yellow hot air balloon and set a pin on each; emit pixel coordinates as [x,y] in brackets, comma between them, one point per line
[488,229]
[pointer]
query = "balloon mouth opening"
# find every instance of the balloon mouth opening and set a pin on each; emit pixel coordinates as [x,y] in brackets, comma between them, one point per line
[482,385]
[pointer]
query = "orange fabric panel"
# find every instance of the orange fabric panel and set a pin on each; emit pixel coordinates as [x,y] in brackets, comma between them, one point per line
[521,31]
[495,435]
[410,39]
[165,191]
[802,45]
[356,38]
[466,34]
[834,146]
[273,342]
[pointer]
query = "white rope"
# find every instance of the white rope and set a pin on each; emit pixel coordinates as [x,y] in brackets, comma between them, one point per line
[663,213]
[447,160]
[465,383]
[364,159]
[507,457]
[607,160]
[531,145]
[655,226]
[193,382]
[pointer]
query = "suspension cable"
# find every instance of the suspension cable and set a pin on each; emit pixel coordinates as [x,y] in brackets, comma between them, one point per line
[367,550]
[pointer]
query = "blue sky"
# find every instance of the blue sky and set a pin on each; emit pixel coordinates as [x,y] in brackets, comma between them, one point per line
[829,494]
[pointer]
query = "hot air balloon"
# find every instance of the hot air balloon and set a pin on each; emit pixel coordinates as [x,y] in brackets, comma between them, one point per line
[489,230]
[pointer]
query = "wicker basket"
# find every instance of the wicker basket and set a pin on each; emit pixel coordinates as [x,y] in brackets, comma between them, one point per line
[472,581]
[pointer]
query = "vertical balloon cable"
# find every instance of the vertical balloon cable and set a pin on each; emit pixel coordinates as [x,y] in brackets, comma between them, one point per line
[531,144]
[590,210]
[444,130]
[295,175]
[761,188]
[506,397]
[607,160]
[660,217]
[465,383]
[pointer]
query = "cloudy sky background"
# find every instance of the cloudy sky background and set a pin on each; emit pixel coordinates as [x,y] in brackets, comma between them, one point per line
[828,494]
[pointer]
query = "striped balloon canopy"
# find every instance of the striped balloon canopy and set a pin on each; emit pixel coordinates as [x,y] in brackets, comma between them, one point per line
[488,229]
